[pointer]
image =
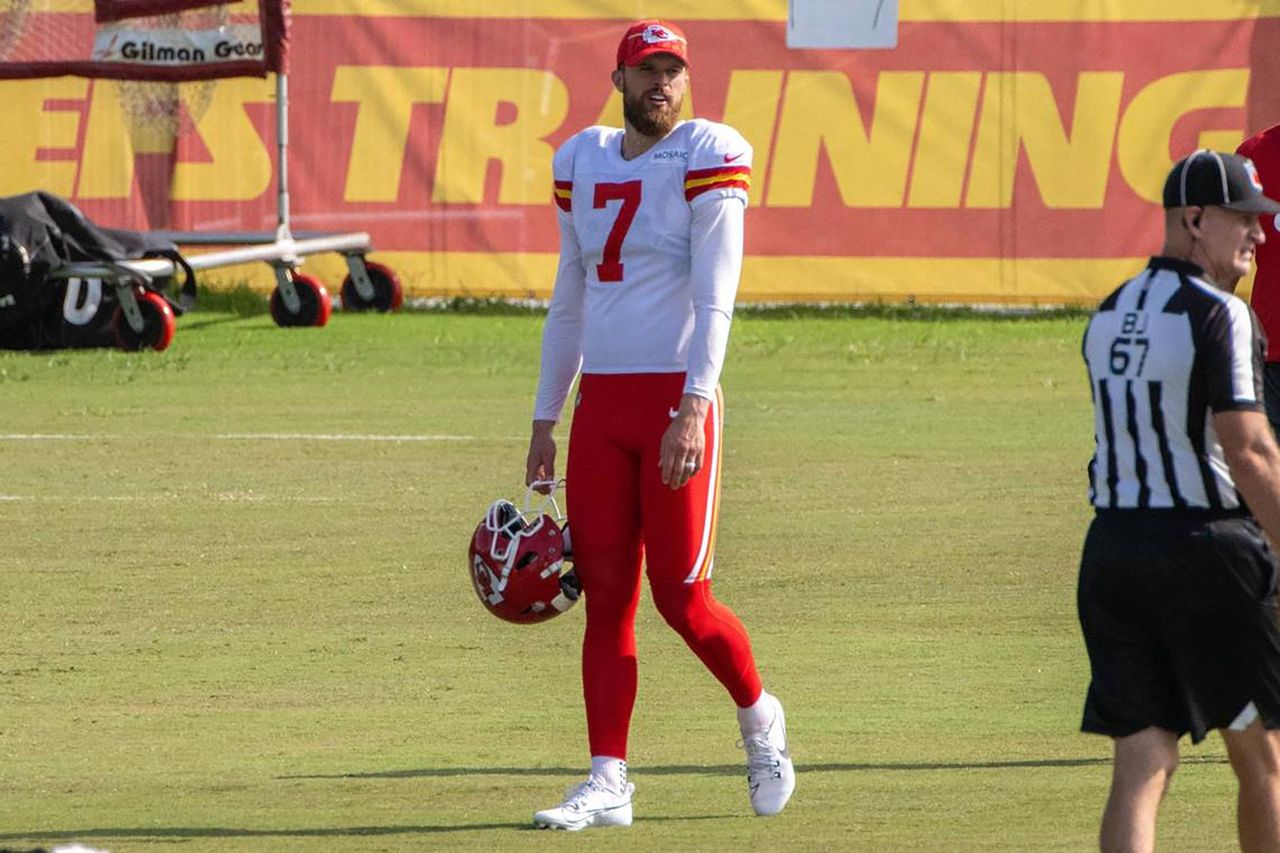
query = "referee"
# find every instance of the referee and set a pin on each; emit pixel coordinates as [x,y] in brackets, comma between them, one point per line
[1177,582]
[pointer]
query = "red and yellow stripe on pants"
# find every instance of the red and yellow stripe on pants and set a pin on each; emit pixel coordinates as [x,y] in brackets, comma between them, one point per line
[704,562]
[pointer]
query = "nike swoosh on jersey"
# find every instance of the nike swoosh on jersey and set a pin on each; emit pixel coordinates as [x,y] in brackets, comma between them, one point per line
[671,413]
[729,159]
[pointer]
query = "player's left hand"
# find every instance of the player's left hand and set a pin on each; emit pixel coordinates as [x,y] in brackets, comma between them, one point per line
[681,453]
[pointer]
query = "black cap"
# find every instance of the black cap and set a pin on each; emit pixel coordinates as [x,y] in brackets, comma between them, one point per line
[1217,179]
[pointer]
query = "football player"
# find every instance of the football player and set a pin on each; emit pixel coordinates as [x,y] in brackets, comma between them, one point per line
[651,233]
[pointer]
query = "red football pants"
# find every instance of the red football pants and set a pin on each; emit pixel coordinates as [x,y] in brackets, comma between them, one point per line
[620,513]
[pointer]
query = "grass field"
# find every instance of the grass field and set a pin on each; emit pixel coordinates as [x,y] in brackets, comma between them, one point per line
[235,614]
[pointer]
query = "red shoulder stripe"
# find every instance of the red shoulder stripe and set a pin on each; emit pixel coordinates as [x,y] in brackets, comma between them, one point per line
[563,195]
[693,192]
[699,174]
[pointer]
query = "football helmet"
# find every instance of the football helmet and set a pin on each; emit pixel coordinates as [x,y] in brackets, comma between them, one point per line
[517,560]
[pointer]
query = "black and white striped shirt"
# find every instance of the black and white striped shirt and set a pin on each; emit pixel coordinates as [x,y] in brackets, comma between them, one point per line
[1165,352]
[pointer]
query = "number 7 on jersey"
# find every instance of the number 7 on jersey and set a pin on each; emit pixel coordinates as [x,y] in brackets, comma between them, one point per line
[610,267]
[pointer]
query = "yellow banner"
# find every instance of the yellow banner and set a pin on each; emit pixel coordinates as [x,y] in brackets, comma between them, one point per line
[936,281]
[925,11]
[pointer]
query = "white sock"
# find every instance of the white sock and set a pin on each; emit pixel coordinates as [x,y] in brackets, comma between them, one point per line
[612,771]
[757,717]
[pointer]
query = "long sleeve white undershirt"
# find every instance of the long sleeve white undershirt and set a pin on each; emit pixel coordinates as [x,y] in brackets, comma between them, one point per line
[562,331]
[716,249]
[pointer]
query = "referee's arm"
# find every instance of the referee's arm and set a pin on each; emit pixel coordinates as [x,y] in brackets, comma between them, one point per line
[1254,459]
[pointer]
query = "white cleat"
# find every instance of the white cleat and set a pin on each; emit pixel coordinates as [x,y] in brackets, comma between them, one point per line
[771,777]
[590,804]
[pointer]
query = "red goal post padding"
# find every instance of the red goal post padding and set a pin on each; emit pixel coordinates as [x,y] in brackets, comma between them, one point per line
[116,10]
[162,40]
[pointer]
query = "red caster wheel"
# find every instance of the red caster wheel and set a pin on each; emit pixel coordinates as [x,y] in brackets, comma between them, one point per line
[314,306]
[155,323]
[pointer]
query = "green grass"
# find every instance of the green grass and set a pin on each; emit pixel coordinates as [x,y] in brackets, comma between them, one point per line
[213,643]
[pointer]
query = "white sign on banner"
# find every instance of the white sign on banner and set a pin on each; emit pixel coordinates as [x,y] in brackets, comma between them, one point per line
[835,24]
[228,43]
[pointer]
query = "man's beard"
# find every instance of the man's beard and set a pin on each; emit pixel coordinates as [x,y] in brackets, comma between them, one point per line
[650,120]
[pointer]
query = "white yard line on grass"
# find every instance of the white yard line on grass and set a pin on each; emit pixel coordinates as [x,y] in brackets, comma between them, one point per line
[251,436]
[220,497]
[303,436]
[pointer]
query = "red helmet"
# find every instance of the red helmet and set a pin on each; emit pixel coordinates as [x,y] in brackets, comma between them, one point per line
[517,563]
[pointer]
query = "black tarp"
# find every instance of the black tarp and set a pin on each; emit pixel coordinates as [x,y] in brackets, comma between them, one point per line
[39,233]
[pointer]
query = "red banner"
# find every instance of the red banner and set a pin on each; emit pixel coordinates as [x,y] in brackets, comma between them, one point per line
[990,161]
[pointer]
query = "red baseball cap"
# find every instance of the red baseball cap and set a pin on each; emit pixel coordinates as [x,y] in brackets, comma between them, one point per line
[645,38]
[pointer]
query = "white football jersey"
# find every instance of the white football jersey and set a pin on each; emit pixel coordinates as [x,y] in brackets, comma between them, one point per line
[650,257]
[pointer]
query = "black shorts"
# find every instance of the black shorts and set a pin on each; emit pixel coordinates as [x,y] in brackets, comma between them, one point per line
[1179,617]
[1271,393]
